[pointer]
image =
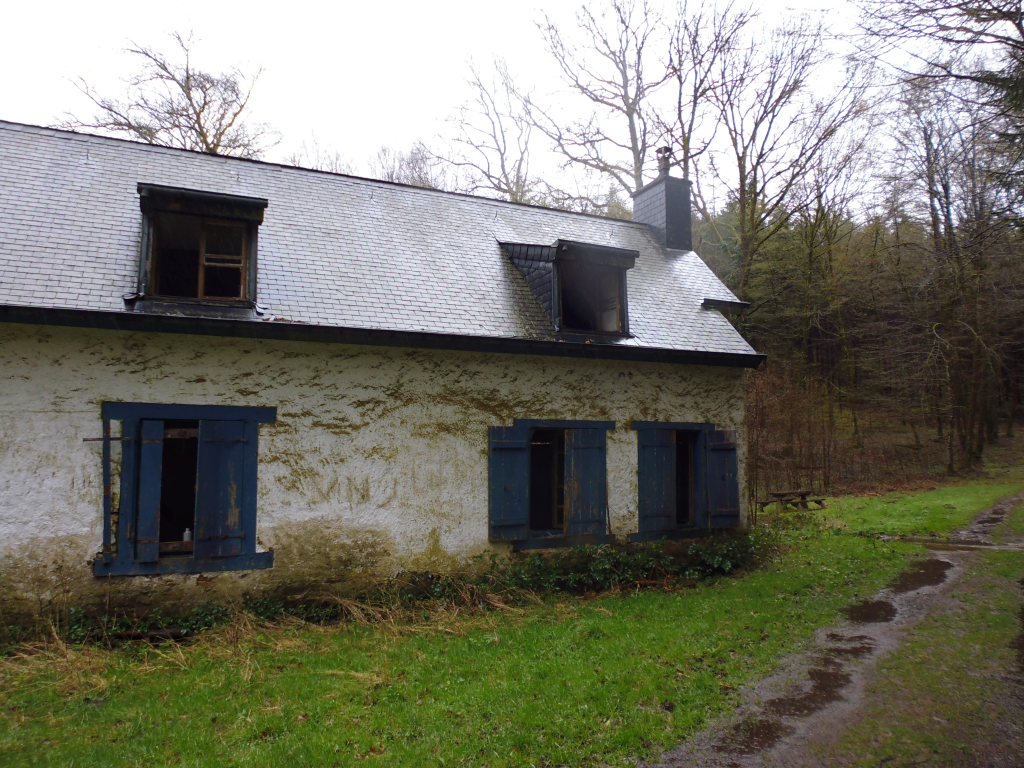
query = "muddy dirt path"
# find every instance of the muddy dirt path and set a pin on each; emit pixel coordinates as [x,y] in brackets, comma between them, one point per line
[787,719]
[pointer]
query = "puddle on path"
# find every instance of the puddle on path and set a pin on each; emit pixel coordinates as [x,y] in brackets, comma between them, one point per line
[853,651]
[927,574]
[826,684]
[870,612]
[839,637]
[753,735]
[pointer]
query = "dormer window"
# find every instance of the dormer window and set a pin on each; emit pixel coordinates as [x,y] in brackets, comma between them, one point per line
[581,285]
[198,245]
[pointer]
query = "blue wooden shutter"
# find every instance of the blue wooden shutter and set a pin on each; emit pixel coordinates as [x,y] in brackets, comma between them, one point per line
[509,483]
[586,492]
[657,479]
[151,460]
[723,480]
[220,489]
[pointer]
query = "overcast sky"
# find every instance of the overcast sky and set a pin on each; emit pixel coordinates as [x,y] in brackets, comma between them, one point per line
[356,75]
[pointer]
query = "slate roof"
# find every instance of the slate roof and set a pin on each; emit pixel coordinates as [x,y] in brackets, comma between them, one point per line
[334,251]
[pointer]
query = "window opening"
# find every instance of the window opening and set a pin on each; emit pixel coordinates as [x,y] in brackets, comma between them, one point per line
[199,258]
[684,478]
[177,255]
[591,296]
[178,486]
[547,480]
[188,489]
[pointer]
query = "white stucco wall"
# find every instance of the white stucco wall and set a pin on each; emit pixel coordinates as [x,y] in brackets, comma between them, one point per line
[377,462]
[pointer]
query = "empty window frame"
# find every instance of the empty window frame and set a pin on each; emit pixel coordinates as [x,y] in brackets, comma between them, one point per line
[177,509]
[684,505]
[547,482]
[199,246]
[187,500]
[687,479]
[592,297]
[590,288]
[197,258]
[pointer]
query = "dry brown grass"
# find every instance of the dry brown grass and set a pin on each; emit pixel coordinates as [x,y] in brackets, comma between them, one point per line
[71,670]
[88,670]
[84,670]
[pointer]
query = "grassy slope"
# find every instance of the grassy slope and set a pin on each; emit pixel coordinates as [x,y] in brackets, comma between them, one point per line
[943,696]
[933,512]
[560,684]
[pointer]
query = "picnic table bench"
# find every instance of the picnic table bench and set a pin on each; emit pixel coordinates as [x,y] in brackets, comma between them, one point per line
[798,499]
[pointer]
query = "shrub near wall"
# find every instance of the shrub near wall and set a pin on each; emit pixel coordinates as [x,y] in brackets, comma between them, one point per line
[493,583]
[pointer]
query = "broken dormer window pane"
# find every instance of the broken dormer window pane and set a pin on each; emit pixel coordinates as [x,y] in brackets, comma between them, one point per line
[176,256]
[199,258]
[223,261]
[591,297]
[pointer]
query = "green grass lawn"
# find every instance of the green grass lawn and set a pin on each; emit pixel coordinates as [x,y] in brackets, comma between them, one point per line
[565,683]
[932,512]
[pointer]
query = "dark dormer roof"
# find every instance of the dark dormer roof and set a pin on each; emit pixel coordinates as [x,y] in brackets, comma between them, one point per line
[340,258]
[623,258]
[154,197]
[536,264]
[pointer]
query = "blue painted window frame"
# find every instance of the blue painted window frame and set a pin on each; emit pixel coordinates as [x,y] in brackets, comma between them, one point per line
[509,482]
[124,559]
[712,451]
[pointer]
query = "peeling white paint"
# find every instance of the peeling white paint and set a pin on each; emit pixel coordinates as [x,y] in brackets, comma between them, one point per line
[384,443]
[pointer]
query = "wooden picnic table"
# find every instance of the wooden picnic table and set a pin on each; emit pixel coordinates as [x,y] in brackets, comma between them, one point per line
[798,498]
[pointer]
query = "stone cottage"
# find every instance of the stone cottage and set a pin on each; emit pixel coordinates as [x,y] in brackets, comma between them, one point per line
[223,377]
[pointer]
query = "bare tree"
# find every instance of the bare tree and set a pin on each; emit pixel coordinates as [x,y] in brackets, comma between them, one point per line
[958,27]
[173,104]
[699,40]
[493,137]
[970,295]
[775,129]
[608,73]
[316,156]
[585,193]
[419,167]
[979,41]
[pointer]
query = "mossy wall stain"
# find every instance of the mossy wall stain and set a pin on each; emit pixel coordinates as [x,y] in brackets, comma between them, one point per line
[316,558]
[377,453]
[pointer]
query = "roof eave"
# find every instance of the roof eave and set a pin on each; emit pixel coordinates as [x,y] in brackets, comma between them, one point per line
[147,323]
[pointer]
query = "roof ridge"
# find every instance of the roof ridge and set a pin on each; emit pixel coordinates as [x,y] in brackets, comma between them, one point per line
[161,147]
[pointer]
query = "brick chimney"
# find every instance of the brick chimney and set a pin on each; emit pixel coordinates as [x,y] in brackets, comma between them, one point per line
[664,205]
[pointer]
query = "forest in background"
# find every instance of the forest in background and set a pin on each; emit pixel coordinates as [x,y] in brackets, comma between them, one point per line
[861,189]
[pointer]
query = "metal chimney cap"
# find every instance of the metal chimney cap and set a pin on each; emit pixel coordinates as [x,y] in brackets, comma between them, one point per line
[664,160]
